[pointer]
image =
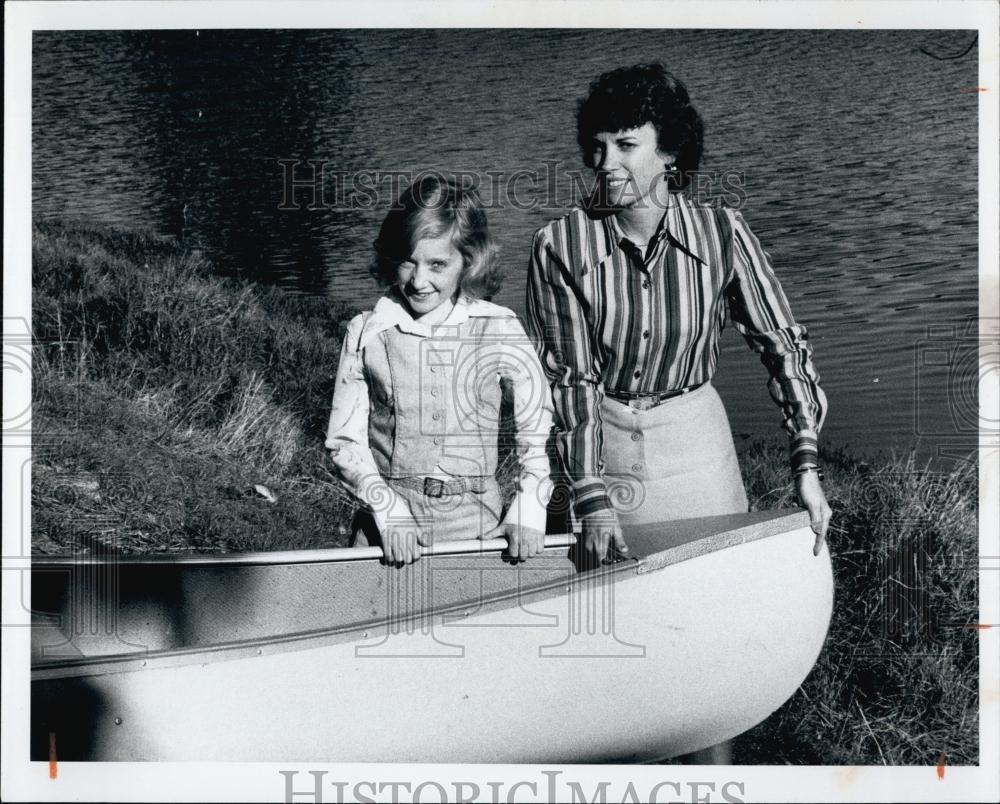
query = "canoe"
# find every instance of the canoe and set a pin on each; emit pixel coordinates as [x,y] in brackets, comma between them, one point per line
[707,628]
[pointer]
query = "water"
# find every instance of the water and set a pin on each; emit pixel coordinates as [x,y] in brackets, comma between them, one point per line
[858,151]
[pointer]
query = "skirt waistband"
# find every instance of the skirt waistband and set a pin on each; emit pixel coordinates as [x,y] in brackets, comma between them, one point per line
[647,401]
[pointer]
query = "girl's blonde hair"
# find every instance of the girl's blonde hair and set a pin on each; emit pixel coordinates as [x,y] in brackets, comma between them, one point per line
[431,207]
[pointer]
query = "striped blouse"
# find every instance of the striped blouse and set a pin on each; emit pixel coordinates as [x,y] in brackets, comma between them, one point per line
[605,316]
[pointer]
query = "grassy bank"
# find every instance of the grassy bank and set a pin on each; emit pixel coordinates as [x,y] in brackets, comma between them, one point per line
[164,395]
[174,410]
[897,681]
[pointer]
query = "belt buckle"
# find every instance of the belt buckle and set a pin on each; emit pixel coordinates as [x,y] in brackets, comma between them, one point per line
[644,402]
[433,487]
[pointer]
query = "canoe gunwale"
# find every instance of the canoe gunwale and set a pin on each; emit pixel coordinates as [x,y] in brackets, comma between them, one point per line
[643,561]
[280,557]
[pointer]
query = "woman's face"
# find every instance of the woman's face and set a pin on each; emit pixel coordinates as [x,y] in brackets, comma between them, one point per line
[630,166]
[432,274]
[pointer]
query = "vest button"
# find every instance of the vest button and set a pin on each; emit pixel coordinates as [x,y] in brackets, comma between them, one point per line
[434,391]
[636,467]
[436,416]
[636,436]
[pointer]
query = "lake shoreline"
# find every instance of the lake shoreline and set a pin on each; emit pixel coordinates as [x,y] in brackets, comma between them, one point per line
[178,411]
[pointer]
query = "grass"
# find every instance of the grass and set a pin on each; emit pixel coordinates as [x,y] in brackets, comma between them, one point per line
[897,681]
[163,396]
[174,410]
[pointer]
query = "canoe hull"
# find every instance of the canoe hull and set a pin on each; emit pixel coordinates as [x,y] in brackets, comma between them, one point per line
[641,662]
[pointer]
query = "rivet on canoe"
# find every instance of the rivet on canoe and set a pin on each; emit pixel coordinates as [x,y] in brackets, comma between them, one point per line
[260,651]
[466,613]
[118,721]
[143,662]
[364,635]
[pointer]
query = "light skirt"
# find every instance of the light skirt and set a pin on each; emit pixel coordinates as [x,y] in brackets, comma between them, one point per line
[674,461]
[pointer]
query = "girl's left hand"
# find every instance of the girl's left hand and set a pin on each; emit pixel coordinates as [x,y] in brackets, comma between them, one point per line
[522,541]
[812,497]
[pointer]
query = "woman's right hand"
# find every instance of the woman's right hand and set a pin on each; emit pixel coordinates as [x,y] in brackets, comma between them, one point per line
[600,530]
[401,545]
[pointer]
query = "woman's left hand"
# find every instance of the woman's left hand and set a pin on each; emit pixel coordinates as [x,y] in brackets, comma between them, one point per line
[812,497]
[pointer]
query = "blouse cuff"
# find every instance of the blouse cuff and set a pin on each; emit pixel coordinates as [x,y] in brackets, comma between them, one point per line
[804,449]
[389,508]
[528,509]
[591,497]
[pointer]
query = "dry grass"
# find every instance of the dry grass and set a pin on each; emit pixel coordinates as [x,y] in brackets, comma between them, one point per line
[164,395]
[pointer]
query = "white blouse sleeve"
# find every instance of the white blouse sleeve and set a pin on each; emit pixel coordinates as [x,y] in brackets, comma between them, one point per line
[533,423]
[347,438]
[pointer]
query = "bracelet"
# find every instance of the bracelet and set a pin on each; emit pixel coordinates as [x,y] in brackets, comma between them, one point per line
[809,468]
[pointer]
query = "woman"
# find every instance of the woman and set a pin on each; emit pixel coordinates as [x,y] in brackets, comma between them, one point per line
[626,300]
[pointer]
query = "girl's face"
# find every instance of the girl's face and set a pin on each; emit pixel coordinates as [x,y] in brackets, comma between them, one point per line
[432,274]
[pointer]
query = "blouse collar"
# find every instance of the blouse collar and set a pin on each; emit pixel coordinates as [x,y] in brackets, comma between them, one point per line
[677,225]
[392,312]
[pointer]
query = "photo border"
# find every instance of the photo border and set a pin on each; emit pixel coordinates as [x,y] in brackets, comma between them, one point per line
[234,781]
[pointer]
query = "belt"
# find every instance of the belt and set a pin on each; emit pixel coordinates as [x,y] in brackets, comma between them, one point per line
[435,487]
[647,401]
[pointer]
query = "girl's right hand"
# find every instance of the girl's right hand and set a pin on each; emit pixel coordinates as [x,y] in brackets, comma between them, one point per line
[402,545]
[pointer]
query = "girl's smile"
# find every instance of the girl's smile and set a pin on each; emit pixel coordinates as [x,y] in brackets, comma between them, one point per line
[431,276]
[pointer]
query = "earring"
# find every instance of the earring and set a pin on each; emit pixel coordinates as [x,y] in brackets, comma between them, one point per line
[670,167]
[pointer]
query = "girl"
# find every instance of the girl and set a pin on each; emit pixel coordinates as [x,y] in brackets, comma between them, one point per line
[415,418]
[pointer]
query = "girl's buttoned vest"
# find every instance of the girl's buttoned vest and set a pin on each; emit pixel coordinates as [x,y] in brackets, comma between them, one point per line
[435,401]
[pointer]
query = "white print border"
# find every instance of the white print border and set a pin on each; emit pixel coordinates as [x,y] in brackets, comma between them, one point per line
[22,780]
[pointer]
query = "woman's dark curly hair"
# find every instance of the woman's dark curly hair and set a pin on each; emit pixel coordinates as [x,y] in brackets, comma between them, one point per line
[433,206]
[629,97]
